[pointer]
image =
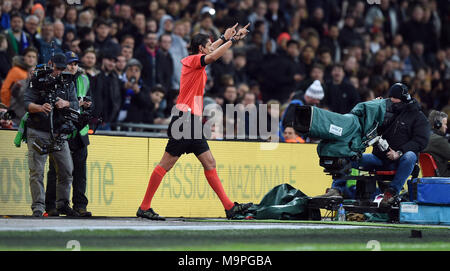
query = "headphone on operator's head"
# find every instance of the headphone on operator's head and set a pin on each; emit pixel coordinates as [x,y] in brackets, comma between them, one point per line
[437,124]
[400,91]
[405,92]
[437,117]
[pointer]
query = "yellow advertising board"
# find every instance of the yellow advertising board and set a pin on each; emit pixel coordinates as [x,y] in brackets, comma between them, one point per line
[119,169]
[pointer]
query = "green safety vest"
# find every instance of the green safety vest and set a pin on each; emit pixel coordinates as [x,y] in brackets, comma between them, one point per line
[20,136]
[82,89]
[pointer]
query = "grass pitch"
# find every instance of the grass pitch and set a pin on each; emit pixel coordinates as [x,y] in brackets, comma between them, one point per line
[358,239]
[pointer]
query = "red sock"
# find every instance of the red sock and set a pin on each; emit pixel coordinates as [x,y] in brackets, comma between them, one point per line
[216,185]
[153,184]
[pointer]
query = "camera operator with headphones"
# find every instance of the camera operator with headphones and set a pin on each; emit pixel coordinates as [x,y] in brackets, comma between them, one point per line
[46,98]
[406,131]
[439,145]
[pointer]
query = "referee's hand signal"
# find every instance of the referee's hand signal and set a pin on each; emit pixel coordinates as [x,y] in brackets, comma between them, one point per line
[242,32]
[230,32]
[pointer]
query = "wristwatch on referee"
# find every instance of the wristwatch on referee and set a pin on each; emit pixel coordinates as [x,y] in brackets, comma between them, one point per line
[222,37]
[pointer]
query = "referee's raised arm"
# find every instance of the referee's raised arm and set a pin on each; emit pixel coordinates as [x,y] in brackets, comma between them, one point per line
[229,38]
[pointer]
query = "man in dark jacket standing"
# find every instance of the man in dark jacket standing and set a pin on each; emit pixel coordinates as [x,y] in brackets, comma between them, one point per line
[107,91]
[439,146]
[340,96]
[407,132]
[146,54]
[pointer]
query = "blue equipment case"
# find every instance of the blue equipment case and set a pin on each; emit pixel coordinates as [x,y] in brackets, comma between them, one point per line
[413,213]
[431,190]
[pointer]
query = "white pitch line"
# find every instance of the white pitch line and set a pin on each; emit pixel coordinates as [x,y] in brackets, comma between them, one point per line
[68,225]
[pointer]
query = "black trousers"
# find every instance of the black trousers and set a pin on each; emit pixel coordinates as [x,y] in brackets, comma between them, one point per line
[79,198]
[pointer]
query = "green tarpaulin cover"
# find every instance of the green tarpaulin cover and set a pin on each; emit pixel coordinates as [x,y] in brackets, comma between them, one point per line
[283,202]
[343,134]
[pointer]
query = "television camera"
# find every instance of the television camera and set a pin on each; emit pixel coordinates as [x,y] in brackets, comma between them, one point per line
[62,122]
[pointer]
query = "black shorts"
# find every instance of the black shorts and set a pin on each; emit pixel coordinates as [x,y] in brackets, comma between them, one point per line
[193,140]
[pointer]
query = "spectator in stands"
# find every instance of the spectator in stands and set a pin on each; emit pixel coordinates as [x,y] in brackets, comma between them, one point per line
[250,107]
[5,61]
[206,26]
[326,60]
[229,96]
[340,96]
[85,19]
[388,15]
[290,136]
[331,41]
[240,71]
[438,145]
[59,32]
[258,17]
[121,64]
[128,41]
[20,70]
[417,57]
[31,27]
[68,36]
[221,67]
[18,40]
[146,54]
[312,96]
[178,51]
[417,29]
[103,40]
[276,18]
[135,94]
[47,44]
[164,61]
[153,114]
[308,57]
[88,62]
[255,54]
[70,19]
[348,36]
[107,91]
[139,27]
[127,52]
[58,10]
[39,11]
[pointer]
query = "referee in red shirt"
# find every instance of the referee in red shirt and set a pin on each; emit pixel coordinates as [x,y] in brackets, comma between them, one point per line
[185,138]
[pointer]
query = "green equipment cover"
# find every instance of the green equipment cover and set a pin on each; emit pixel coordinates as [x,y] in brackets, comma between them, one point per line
[345,135]
[283,202]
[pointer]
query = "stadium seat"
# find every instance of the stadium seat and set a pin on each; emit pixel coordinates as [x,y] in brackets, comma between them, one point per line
[428,165]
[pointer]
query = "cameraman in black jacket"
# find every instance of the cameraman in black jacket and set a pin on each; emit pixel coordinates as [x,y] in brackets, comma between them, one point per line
[43,139]
[406,130]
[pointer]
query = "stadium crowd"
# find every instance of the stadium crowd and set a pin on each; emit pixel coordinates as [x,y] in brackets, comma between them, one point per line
[131,51]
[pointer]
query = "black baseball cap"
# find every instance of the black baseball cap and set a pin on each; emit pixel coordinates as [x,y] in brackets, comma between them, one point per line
[59,60]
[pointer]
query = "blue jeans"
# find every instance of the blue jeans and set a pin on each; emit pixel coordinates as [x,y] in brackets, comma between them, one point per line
[404,166]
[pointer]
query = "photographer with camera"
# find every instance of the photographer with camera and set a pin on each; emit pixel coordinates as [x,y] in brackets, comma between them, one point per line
[135,94]
[47,100]
[405,133]
[78,146]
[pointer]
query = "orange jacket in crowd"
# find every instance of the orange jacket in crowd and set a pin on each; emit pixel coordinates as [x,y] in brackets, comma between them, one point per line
[296,140]
[15,74]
